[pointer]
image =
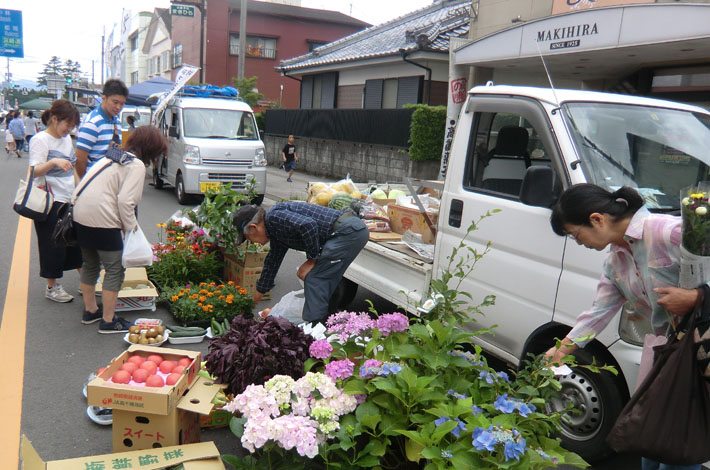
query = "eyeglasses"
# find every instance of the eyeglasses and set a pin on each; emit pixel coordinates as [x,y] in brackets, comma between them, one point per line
[573,236]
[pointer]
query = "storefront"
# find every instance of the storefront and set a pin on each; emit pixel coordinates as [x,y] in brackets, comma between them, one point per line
[652,49]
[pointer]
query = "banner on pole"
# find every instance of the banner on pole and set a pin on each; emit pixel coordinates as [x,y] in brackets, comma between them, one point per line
[183,75]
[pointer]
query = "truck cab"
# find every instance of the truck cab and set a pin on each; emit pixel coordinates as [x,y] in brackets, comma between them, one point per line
[211,141]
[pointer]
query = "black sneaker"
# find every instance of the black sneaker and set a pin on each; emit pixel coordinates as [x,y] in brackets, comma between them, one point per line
[89,318]
[118,325]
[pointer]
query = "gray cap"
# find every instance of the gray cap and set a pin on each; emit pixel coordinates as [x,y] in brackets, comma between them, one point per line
[242,218]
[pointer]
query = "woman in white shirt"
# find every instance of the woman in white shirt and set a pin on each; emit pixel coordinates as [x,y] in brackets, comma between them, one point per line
[52,156]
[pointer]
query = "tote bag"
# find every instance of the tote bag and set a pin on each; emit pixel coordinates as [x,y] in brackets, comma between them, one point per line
[668,418]
[32,202]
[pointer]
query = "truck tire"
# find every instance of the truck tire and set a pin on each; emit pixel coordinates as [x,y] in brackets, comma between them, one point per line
[600,398]
[343,296]
[182,197]
[157,181]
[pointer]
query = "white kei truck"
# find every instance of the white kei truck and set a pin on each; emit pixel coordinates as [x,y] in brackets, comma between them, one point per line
[515,149]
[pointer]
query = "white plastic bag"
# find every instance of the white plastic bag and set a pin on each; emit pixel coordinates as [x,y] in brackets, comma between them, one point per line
[290,307]
[137,250]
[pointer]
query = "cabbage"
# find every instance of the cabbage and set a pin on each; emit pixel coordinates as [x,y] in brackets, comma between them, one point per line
[379,194]
[396,192]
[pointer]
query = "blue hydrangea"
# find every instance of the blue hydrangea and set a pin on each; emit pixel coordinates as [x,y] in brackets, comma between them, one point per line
[460,427]
[458,396]
[483,439]
[515,447]
[487,376]
[446,454]
[440,421]
[504,376]
[525,409]
[504,405]
[476,410]
[389,368]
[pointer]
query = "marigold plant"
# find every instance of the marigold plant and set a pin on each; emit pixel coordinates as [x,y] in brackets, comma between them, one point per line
[203,301]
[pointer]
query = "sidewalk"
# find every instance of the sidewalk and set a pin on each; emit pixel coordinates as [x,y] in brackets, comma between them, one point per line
[277,188]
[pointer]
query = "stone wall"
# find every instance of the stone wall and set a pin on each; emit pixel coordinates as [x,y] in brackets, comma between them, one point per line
[364,162]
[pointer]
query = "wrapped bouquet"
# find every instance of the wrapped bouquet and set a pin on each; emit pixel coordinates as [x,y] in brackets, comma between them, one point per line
[695,242]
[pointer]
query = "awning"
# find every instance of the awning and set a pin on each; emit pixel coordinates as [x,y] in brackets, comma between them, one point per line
[138,93]
[597,43]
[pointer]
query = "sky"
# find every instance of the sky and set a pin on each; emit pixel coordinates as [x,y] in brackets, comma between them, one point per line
[72,29]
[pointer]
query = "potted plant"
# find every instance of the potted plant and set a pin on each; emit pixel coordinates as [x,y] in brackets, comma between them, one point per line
[197,304]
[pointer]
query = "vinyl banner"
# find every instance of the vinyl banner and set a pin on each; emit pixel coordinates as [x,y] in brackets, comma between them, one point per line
[567,6]
[181,78]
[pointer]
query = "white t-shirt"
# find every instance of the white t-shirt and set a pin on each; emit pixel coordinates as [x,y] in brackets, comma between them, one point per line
[30,125]
[44,147]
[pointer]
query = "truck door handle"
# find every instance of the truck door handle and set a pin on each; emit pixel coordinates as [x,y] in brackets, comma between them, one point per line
[455,213]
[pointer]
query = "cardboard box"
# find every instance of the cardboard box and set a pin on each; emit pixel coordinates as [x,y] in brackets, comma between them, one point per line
[145,399]
[405,218]
[202,456]
[132,298]
[140,430]
[244,276]
[216,419]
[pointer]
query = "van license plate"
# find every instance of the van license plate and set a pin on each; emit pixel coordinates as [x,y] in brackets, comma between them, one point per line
[206,186]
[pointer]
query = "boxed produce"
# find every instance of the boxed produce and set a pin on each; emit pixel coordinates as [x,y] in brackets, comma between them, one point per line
[201,456]
[245,276]
[137,292]
[405,218]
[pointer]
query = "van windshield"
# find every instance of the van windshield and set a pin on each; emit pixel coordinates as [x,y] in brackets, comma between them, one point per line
[219,124]
[658,151]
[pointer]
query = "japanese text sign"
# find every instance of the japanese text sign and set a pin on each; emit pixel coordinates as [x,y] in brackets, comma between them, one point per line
[11,44]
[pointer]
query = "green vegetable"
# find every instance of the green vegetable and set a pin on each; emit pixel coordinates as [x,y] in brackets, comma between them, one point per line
[178,328]
[216,329]
[340,201]
[227,326]
[186,334]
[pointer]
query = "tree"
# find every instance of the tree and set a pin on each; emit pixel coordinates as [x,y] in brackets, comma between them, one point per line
[247,90]
[69,69]
[53,67]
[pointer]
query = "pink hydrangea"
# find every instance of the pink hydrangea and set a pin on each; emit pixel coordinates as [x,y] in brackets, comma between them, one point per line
[392,323]
[320,349]
[339,369]
[350,324]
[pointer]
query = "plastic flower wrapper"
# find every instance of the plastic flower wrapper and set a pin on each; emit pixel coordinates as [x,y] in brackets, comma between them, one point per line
[695,240]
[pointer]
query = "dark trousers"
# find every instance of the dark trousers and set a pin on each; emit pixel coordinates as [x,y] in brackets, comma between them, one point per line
[54,260]
[339,251]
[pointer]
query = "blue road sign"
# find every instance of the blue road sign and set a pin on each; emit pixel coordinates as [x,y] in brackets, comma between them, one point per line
[11,44]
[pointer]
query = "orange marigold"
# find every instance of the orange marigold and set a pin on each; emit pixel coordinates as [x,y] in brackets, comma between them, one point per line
[243,291]
[221,297]
[174,298]
[229,301]
[194,296]
[230,283]
[210,294]
[202,284]
[199,304]
[202,298]
[221,286]
[204,308]
[203,291]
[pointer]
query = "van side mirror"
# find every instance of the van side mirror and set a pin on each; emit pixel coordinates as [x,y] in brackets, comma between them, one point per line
[173,132]
[539,187]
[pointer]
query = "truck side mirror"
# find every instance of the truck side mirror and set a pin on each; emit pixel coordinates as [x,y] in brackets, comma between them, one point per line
[539,188]
[173,132]
[261,135]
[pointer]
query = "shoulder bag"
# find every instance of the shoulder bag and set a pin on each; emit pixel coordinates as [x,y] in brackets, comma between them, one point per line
[64,232]
[31,201]
[668,418]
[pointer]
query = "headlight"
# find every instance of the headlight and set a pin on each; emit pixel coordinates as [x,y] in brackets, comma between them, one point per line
[259,158]
[634,326]
[192,154]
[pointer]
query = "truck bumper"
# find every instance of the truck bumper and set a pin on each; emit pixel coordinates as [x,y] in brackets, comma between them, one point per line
[194,175]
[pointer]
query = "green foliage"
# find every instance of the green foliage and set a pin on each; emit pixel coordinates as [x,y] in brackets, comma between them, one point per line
[260,120]
[247,93]
[426,135]
[216,211]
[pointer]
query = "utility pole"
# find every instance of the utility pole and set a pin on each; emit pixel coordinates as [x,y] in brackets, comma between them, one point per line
[203,22]
[242,40]
[103,38]
[92,71]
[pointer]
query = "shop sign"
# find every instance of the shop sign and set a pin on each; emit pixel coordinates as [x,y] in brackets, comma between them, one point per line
[196,3]
[566,6]
[182,10]
[458,90]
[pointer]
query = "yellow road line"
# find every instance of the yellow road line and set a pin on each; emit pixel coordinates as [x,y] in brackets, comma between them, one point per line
[12,346]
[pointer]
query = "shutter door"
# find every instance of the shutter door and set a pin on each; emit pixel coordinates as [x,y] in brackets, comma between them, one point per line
[409,90]
[373,94]
[307,92]
[329,89]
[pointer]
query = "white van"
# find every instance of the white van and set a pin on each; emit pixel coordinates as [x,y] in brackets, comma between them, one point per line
[141,116]
[211,141]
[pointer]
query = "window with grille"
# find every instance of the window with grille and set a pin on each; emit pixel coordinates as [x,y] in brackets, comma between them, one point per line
[177,55]
[257,46]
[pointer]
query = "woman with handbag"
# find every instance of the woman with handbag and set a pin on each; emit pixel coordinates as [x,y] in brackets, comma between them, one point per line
[52,156]
[642,267]
[104,212]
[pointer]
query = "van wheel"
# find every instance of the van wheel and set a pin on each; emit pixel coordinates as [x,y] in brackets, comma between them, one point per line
[157,182]
[600,398]
[343,295]
[182,197]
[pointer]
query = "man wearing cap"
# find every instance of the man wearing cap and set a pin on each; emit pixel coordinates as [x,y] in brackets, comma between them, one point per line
[330,238]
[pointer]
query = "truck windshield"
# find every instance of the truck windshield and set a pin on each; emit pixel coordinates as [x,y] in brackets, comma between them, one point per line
[219,124]
[658,151]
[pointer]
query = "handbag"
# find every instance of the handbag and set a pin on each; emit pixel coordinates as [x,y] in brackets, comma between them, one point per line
[137,250]
[64,232]
[31,201]
[701,335]
[668,418]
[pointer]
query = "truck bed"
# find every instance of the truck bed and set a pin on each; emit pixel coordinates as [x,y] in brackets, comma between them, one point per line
[395,276]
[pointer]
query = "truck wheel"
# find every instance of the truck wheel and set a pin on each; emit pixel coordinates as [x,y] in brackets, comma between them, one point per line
[157,182]
[182,197]
[343,295]
[600,398]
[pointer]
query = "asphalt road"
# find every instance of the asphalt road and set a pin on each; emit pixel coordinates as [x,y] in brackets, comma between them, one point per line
[60,352]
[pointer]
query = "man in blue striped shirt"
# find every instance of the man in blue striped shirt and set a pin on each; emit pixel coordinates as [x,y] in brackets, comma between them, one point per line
[98,129]
[331,239]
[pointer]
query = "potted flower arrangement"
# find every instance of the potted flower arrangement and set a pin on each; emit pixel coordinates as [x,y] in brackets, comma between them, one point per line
[426,397]
[197,304]
[695,240]
[186,257]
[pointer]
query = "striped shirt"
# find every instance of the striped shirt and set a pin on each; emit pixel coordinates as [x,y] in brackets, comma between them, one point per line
[95,134]
[654,261]
[297,225]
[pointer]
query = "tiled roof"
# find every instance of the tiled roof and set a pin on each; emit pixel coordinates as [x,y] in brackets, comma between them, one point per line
[283,10]
[426,29]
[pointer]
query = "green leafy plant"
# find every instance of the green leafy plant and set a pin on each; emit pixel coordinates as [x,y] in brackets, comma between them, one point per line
[205,301]
[216,211]
[247,90]
[426,132]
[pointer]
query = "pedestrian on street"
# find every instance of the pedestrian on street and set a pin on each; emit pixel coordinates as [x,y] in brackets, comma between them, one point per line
[289,158]
[17,128]
[330,238]
[31,126]
[103,213]
[9,138]
[52,156]
[131,122]
[101,128]
[641,269]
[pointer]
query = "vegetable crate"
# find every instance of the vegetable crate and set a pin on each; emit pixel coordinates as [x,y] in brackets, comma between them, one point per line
[244,275]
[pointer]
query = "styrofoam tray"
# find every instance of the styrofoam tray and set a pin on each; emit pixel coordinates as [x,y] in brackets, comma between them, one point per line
[166,336]
[187,339]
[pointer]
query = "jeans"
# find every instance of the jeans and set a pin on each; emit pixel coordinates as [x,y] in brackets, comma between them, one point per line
[648,464]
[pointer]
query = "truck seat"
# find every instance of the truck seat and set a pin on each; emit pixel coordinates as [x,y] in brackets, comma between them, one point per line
[507,161]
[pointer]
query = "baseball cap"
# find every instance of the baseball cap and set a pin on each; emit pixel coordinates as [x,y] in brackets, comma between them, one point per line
[242,218]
